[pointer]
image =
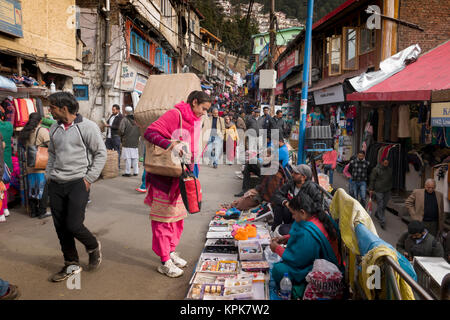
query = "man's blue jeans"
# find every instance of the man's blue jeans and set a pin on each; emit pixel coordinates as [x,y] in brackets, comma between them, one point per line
[214,143]
[328,171]
[350,188]
[4,285]
[359,189]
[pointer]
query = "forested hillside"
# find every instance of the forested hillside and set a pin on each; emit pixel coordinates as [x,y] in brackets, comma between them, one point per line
[236,33]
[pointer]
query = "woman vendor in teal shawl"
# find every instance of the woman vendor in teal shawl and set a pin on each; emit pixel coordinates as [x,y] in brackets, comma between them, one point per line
[313,235]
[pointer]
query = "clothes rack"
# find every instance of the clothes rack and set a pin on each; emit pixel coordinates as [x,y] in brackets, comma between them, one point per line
[399,163]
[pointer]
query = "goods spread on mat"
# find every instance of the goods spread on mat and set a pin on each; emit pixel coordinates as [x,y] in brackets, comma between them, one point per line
[232,264]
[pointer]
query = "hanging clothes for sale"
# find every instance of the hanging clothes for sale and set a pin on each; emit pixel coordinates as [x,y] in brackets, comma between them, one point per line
[377,151]
[23,108]
[394,124]
[387,123]
[403,122]
[8,107]
[380,125]
[39,107]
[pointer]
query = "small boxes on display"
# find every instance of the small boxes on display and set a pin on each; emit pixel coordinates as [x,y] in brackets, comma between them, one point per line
[250,250]
[254,266]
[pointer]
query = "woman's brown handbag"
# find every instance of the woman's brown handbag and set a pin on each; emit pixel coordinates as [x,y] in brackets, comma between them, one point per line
[37,156]
[159,161]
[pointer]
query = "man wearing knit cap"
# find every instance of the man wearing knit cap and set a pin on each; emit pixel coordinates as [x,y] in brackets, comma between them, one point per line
[301,180]
[417,241]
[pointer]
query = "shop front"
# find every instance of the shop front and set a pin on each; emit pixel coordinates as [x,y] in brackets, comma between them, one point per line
[406,119]
[330,108]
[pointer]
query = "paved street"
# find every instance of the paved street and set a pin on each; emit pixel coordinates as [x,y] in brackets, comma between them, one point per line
[30,252]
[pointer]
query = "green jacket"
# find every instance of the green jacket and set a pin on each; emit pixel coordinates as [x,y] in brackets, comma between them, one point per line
[7,130]
[381,179]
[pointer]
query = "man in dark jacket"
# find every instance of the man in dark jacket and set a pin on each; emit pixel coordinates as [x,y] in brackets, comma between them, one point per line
[278,123]
[130,134]
[417,241]
[358,168]
[252,121]
[381,183]
[112,130]
[301,180]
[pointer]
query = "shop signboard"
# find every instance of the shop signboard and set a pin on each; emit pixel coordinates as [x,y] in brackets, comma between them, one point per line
[329,95]
[440,114]
[294,80]
[287,63]
[279,89]
[141,81]
[125,77]
[11,18]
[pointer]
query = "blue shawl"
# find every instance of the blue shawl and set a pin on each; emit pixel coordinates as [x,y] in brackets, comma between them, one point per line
[306,244]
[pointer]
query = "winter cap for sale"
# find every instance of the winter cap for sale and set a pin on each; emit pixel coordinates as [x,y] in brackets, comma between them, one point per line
[128,109]
[415,227]
[303,169]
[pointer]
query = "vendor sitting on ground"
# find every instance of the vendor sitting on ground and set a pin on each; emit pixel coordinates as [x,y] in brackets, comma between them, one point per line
[313,236]
[417,241]
[301,179]
[283,157]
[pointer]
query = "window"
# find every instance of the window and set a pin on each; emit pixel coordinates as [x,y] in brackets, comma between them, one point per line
[134,43]
[334,64]
[166,12]
[139,46]
[81,92]
[367,42]
[326,52]
[350,52]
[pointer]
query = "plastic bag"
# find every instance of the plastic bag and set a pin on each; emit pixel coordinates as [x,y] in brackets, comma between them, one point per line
[324,282]
[271,257]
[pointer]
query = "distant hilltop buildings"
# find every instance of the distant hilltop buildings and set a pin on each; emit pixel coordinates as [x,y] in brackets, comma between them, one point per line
[262,18]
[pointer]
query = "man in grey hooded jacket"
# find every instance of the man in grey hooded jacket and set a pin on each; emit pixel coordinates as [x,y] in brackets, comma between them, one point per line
[76,157]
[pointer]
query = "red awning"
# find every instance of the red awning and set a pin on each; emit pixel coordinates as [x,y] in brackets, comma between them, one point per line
[429,73]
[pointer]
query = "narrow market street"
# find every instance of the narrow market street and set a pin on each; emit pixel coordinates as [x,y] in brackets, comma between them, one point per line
[30,252]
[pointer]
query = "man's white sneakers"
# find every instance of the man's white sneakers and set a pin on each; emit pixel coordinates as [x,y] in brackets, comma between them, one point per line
[6,212]
[180,263]
[2,218]
[170,269]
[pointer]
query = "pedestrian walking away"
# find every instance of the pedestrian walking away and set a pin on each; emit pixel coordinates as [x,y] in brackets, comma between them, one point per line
[167,211]
[130,134]
[381,184]
[77,155]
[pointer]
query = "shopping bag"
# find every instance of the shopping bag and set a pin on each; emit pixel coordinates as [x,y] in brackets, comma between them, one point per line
[190,189]
[369,206]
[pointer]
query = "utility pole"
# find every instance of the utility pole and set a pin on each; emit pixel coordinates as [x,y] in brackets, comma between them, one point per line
[301,157]
[272,49]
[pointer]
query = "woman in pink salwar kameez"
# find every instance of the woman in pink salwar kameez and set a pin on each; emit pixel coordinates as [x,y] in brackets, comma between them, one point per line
[167,211]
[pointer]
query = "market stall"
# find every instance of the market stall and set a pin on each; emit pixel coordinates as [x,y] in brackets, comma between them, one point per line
[233,264]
